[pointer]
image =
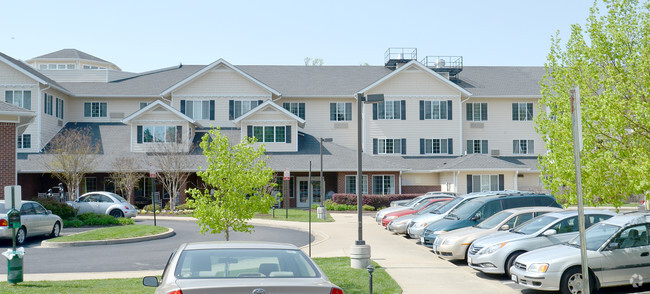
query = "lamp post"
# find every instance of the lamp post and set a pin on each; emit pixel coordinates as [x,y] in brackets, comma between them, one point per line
[322,184]
[360,251]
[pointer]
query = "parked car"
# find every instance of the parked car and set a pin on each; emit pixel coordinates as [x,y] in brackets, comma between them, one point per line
[415,201]
[454,245]
[241,267]
[103,203]
[393,215]
[496,253]
[477,210]
[35,220]
[400,224]
[617,252]
[405,201]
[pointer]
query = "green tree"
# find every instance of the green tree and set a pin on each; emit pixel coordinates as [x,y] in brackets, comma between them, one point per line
[609,62]
[238,181]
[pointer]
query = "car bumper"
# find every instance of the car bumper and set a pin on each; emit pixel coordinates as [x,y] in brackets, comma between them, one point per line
[450,252]
[5,233]
[428,240]
[400,229]
[486,263]
[130,213]
[414,232]
[549,281]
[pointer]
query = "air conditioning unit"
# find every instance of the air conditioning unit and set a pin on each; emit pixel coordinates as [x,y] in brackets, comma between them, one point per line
[495,152]
[340,125]
[476,125]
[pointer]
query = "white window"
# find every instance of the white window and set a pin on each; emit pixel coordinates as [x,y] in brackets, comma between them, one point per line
[436,146]
[47,103]
[57,66]
[59,108]
[297,108]
[19,98]
[24,141]
[481,183]
[95,109]
[389,110]
[389,146]
[351,184]
[434,109]
[383,184]
[159,134]
[523,147]
[340,111]
[270,133]
[197,109]
[241,107]
[477,146]
[522,111]
[477,111]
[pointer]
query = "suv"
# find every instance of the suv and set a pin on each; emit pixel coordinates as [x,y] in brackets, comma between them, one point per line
[477,210]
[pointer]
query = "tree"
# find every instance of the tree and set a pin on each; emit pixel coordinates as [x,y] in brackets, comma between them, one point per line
[73,155]
[239,182]
[313,61]
[126,176]
[609,62]
[173,168]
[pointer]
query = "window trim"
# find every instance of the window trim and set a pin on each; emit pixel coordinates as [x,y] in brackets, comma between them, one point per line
[482,144]
[340,111]
[471,111]
[517,146]
[364,188]
[397,145]
[297,108]
[167,138]
[22,103]
[263,136]
[101,113]
[20,141]
[391,181]
[517,111]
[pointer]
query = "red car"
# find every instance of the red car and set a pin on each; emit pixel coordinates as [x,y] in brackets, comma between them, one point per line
[406,211]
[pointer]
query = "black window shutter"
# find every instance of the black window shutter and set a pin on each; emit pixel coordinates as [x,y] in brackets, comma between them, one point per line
[179,134]
[285,105]
[515,111]
[183,106]
[301,110]
[484,111]
[249,131]
[450,146]
[501,178]
[348,111]
[139,134]
[421,109]
[449,112]
[469,183]
[421,146]
[469,111]
[231,109]
[484,146]
[287,134]
[374,111]
[403,109]
[470,146]
[259,102]
[332,111]
[529,112]
[374,146]
[211,109]
[403,146]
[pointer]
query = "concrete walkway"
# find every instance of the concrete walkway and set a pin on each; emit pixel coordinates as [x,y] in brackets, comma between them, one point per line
[414,267]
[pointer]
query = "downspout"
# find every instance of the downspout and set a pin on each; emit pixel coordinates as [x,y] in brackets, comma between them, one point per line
[456,182]
[40,115]
[400,182]
[460,116]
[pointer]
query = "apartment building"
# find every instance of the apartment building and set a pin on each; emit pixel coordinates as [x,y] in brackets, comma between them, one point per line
[442,126]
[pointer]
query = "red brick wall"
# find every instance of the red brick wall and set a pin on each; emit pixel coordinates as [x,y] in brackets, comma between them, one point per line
[420,189]
[7,156]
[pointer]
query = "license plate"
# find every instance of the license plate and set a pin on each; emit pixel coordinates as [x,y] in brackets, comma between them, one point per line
[514,278]
[422,240]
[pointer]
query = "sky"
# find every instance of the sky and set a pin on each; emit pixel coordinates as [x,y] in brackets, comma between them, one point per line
[142,35]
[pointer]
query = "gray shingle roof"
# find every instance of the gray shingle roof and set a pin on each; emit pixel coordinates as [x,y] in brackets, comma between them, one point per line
[70,54]
[7,107]
[501,80]
[26,67]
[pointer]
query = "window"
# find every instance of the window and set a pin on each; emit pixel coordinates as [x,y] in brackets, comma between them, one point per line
[198,109]
[340,111]
[47,103]
[54,66]
[435,110]
[389,110]
[523,147]
[296,108]
[270,133]
[389,146]
[144,104]
[480,183]
[158,134]
[351,184]
[383,184]
[238,108]
[95,109]
[436,146]
[19,98]
[89,184]
[477,111]
[92,67]
[522,111]
[24,141]
[477,146]
[59,108]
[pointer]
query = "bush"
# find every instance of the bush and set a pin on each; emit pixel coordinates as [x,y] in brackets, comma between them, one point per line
[63,210]
[374,200]
[125,221]
[72,223]
[367,208]
[91,219]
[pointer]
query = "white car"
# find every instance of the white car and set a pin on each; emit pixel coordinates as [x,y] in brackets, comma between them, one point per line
[241,267]
[35,220]
[618,252]
[103,203]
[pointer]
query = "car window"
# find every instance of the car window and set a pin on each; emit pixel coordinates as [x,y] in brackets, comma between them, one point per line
[519,219]
[566,226]
[534,225]
[634,236]
[495,220]
[89,198]
[27,209]
[39,209]
[545,201]
[489,209]
[118,197]
[596,236]
[104,198]
[518,202]
[596,218]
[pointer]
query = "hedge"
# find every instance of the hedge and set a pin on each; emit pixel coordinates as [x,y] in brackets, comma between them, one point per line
[374,200]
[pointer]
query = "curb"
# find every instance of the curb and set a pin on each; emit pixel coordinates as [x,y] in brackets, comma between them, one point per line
[48,244]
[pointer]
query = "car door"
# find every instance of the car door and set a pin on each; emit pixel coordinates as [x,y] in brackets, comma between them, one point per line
[27,217]
[103,204]
[84,204]
[626,259]
[42,223]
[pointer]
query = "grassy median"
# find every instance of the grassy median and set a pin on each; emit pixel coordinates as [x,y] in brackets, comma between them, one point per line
[109,233]
[296,215]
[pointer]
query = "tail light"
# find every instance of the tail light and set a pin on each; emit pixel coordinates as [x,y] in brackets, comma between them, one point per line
[336,291]
[179,291]
[126,207]
[3,223]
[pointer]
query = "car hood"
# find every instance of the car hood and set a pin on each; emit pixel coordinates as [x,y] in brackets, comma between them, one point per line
[402,212]
[499,237]
[446,224]
[468,233]
[388,210]
[428,217]
[405,217]
[247,285]
[552,255]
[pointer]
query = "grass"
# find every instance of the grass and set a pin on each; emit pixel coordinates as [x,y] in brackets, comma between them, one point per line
[119,232]
[296,215]
[337,269]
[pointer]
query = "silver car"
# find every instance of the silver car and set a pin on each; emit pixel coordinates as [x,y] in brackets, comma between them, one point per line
[406,201]
[414,202]
[103,203]
[35,220]
[400,224]
[454,245]
[241,267]
[496,253]
[617,251]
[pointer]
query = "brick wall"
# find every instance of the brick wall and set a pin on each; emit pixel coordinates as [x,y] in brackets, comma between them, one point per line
[7,155]
[420,189]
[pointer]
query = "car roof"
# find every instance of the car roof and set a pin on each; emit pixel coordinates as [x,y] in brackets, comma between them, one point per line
[636,217]
[487,196]
[533,209]
[568,213]
[237,245]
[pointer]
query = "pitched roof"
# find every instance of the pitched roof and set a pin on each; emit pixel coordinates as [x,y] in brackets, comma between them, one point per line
[500,81]
[71,54]
[7,108]
[31,72]
[269,103]
[156,104]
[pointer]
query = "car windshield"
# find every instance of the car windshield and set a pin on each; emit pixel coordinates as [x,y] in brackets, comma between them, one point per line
[421,205]
[432,207]
[449,205]
[596,236]
[494,220]
[244,263]
[118,197]
[465,210]
[534,225]
[414,201]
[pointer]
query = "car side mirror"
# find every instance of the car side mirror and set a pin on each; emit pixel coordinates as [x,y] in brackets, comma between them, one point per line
[613,245]
[549,232]
[504,228]
[150,281]
[48,212]
[476,217]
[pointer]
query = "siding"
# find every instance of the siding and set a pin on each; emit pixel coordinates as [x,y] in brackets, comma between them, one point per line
[272,117]
[222,81]
[120,108]
[9,75]
[420,179]
[415,82]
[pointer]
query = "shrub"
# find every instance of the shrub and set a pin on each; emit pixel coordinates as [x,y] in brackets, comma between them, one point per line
[63,210]
[374,200]
[91,219]
[368,208]
[72,223]
[126,221]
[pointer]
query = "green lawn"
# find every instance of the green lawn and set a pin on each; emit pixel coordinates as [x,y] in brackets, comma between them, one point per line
[297,215]
[337,270]
[118,232]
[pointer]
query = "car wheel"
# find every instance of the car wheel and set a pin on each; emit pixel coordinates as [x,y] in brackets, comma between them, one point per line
[510,261]
[21,235]
[56,230]
[116,213]
[572,282]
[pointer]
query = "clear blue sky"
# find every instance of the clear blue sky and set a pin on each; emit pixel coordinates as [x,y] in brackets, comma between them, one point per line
[145,35]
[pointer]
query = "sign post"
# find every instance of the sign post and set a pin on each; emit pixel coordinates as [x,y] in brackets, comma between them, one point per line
[152,175]
[285,191]
[13,199]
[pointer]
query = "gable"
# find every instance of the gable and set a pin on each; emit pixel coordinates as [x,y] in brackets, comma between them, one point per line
[10,75]
[222,80]
[415,81]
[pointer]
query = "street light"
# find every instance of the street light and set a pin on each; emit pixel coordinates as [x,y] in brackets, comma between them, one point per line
[322,185]
[360,251]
